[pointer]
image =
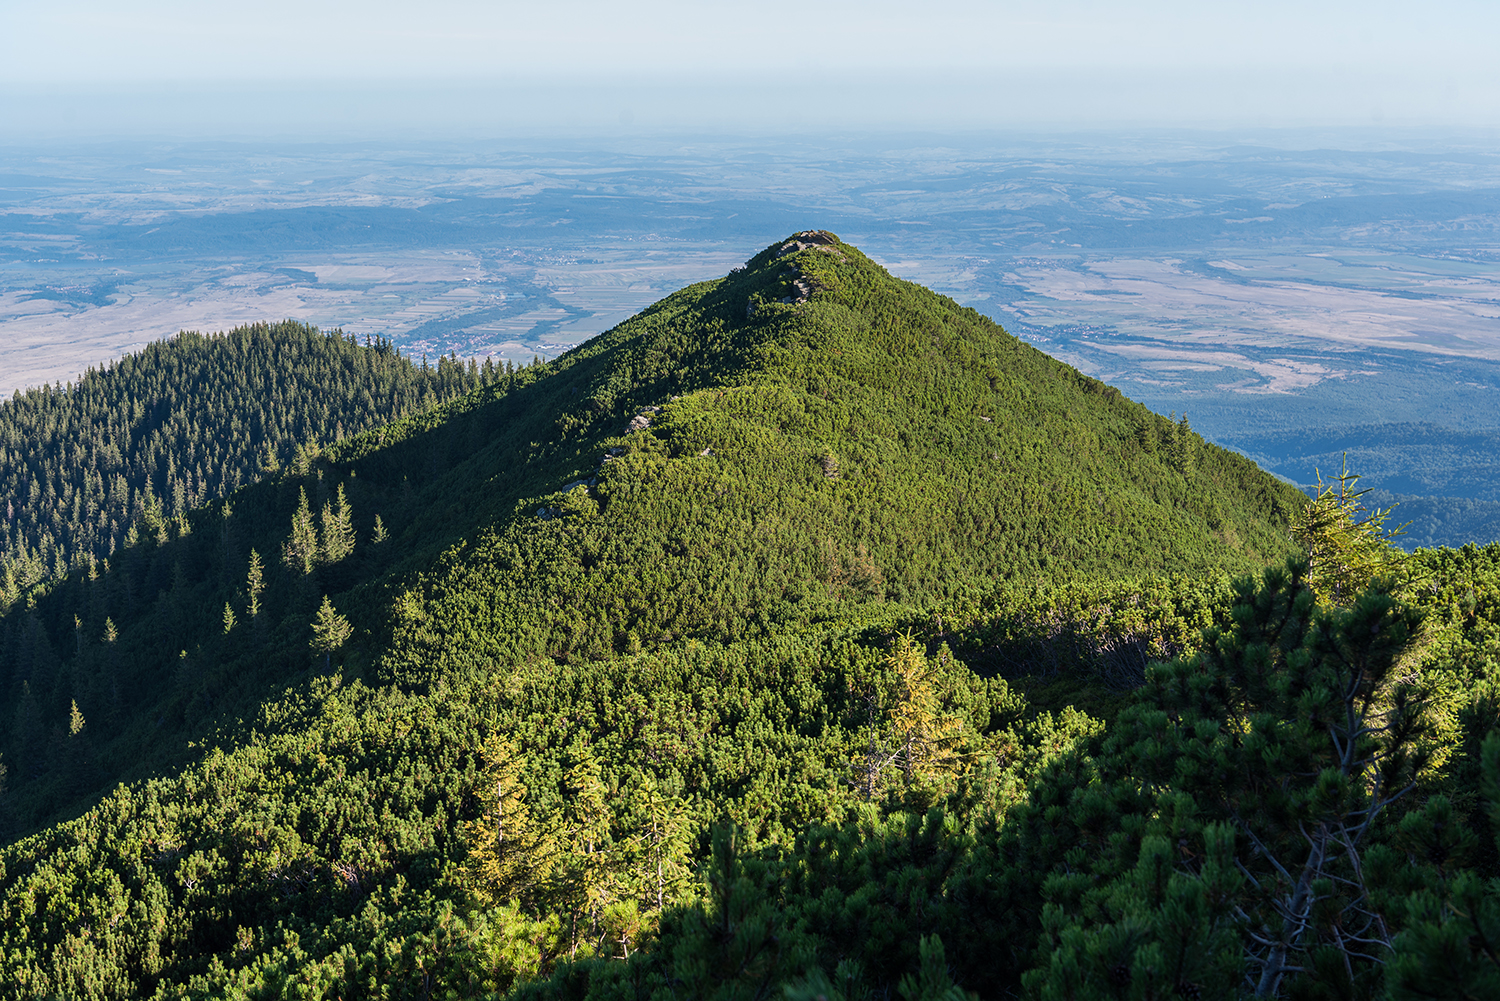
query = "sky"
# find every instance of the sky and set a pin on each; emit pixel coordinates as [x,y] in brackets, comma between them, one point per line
[351,68]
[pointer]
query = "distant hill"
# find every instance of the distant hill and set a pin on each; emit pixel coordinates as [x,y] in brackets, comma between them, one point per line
[1440,521]
[729,641]
[1447,489]
[183,423]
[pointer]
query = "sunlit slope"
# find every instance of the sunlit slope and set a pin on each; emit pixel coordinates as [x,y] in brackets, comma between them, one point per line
[874,440]
[827,436]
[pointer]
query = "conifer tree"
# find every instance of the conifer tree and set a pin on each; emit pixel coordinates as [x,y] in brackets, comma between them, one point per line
[112,671]
[1348,546]
[1184,445]
[226,547]
[924,737]
[510,857]
[74,753]
[338,528]
[591,882]
[918,737]
[1450,947]
[933,981]
[664,838]
[379,534]
[330,631]
[736,942]
[254,585]
[10,586]
[1187,447]
[1146,434]
[299,552]
[229,619]
[152,518]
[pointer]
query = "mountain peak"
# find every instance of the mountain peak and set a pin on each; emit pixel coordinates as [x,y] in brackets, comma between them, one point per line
[812,239]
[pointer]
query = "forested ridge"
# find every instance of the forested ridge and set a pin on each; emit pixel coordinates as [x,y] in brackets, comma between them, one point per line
[804,636]
[185,422]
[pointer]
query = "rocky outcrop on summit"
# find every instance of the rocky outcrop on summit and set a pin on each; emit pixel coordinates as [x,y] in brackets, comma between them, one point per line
[800,286]
[812,239]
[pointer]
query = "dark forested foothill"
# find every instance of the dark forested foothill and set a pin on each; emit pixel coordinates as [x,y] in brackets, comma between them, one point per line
[186,422]
[805,636]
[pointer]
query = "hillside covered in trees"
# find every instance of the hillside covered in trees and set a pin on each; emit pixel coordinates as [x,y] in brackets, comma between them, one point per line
[805,635]
[184,423]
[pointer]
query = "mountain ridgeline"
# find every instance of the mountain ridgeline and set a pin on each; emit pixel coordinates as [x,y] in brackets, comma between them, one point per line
[796,637]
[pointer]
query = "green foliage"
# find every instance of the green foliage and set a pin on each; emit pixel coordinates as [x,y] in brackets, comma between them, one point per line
[255,583]
[920,740]
[330,630]
[1321,700]
[1348,546]
[186,421]
[251,872]
[1182,446]
[509,855]
[677,670]
[336,535]
[1451,945]
[299,553]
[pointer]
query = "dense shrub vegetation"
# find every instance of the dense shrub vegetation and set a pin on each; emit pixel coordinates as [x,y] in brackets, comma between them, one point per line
[806,635]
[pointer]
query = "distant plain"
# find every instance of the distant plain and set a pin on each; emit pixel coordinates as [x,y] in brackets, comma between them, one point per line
[1297,295]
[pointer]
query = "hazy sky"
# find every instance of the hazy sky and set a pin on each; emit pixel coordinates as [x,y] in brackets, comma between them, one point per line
[204,65]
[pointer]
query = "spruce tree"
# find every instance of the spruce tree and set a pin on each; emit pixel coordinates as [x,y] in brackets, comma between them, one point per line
[75,749]
[330,631]
[665,838]
[1348,546]
[1187,447]
[510,856]
[299,553]
[1183,445]
[924,737]
[254,585]
[591,882]
[338,528]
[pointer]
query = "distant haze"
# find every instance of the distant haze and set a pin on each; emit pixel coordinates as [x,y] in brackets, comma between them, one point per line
[90,69]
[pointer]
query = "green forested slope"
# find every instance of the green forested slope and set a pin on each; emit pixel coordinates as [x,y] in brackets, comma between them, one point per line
[579,649]
[183,423]
[799,464]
